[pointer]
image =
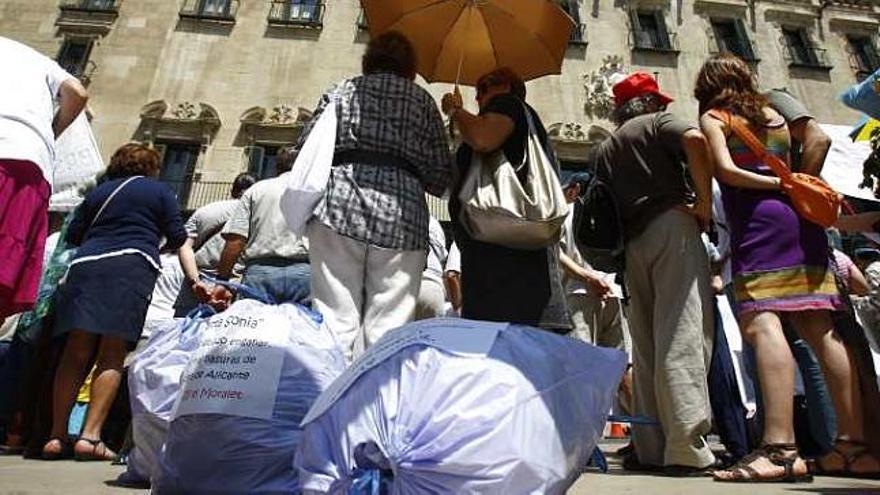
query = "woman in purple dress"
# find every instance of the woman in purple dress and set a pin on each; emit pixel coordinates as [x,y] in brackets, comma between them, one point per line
[781,267]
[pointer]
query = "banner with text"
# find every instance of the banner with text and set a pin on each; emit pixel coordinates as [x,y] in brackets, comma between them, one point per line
[237,367]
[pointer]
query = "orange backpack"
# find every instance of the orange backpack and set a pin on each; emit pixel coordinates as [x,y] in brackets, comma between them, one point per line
[811,197]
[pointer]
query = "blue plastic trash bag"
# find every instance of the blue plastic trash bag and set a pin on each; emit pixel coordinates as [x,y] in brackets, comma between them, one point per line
[235,428]
[864,96]
[153,384]
[460,406]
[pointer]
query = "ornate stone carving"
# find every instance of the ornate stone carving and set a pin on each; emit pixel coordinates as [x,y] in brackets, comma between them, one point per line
[599,99]
[567,131]
[282,114]
[185,111]
[190,121]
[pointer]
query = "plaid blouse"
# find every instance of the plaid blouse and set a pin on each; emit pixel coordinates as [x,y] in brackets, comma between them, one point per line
[384,205]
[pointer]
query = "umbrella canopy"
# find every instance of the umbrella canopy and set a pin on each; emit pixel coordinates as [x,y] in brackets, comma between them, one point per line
[457,41]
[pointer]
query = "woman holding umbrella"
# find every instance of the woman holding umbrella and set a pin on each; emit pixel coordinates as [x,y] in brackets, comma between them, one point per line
[500,283]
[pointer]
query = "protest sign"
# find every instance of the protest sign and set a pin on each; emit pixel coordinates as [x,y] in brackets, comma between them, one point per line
[77,162]
[236,369]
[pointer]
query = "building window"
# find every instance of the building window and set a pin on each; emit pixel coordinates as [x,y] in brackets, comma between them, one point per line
[178,167]
[864,55]
[263,160]
[731,37]
[801,52]
[90,5]
[74,55]
[297,12]
[649,31]
[220,10]
[578,32]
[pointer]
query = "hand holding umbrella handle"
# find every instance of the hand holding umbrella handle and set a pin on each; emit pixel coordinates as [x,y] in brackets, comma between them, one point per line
[450,103]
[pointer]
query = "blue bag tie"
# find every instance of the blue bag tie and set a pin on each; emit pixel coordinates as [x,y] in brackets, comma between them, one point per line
[638,419]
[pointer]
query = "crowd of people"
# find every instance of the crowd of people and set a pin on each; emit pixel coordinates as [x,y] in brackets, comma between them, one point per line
[374,259]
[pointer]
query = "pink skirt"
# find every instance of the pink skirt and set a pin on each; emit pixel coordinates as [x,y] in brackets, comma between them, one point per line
[24,222]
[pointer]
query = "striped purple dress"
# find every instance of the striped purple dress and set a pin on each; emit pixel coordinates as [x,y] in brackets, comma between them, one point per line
[780,261]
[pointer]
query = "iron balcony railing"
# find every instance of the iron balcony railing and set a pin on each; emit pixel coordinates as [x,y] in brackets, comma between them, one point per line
[303,13]
[811,57]
[90,5]
[578,35]
[193,195]
[653,41]
[212,10]
[362,20]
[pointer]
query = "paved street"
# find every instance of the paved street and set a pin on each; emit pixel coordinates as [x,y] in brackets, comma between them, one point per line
[18,476]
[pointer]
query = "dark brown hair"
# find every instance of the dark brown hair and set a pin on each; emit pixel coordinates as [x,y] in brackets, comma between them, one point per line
[390,52]
[134,159]
[504,75]
[727,83]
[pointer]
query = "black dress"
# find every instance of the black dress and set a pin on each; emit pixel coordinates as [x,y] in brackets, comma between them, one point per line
[499,283]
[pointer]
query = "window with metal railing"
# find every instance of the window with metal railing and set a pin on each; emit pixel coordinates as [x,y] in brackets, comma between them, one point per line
[90,5]
[731,37]
[305,13]
[648,32]
[863,55]
[216,10]
[74,55]
[800,52]
[579,31]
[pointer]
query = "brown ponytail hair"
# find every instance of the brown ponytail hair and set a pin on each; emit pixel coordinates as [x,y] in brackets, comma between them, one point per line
[727,83]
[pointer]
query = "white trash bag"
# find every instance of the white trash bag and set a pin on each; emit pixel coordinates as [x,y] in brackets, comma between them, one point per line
[255,374]
[153,384]
[460,406]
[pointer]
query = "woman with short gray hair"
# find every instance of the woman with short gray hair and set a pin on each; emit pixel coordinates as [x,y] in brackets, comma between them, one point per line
[369,234]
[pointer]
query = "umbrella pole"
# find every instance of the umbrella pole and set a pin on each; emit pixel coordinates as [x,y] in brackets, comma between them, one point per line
[457,90]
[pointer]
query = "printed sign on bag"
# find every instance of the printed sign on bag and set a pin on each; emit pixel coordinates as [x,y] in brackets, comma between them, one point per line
[237,366]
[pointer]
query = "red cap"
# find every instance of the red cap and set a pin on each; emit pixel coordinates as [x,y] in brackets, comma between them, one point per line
[638,84]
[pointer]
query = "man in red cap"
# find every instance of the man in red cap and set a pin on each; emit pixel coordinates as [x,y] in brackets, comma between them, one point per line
[671,319]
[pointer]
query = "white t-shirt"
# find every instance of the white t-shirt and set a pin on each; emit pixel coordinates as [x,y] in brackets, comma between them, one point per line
[165,293]
[453,259]
[28,91]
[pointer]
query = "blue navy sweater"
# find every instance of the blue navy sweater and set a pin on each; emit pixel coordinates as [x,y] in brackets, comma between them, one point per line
[143,212]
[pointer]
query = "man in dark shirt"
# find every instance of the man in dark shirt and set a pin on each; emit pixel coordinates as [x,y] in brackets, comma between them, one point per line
[667,271]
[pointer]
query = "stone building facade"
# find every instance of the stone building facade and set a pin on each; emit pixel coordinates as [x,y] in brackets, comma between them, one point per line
[219,85]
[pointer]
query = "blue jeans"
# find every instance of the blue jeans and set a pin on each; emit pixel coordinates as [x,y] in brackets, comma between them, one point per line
[284,283]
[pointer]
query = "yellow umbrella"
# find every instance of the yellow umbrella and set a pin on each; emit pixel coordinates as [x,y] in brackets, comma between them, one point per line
[457,41]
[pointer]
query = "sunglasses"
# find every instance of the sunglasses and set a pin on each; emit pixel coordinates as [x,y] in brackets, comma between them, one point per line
[485,84]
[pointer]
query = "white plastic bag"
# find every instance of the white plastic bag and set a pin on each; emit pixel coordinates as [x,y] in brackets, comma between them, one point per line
[227,440]
[448,407]
[311,171]
[153,384]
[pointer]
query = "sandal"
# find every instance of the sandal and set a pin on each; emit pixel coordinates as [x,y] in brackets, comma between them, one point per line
[858,450]
[105,455]
[778,454]
[65,453]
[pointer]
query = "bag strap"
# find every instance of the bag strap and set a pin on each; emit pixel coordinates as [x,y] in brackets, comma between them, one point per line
[779,167]
[110,197]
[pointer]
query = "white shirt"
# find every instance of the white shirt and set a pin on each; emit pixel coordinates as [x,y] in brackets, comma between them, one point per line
[453,260]
[28,92]
[568,245]
[165,293]
[436,251]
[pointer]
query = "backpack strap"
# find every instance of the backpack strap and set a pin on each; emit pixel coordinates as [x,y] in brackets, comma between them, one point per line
[776,164]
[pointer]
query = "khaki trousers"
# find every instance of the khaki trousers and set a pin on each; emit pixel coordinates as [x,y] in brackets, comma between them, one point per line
[671,323]
[363,291]
[598,322]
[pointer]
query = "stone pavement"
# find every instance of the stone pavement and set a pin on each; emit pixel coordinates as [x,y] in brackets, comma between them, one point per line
[19,477]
